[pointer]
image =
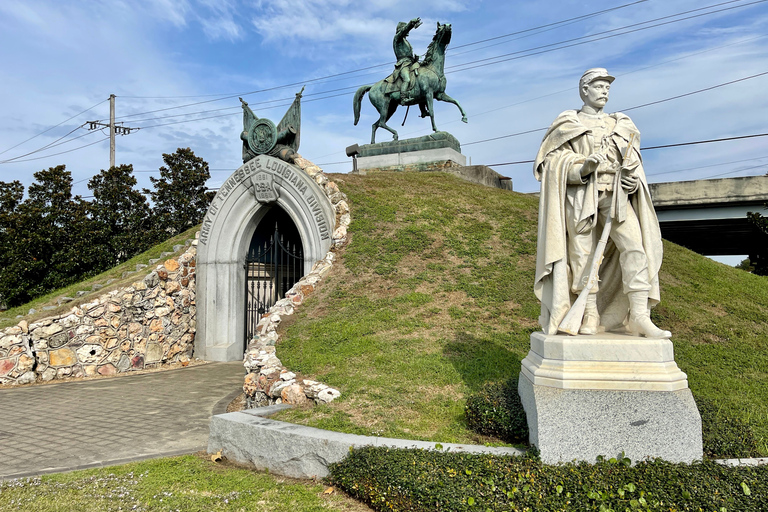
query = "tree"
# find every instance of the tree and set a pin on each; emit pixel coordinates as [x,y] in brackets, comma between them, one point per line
[48,237]
[11,195]
[121,215]
[760,256]
[179,195]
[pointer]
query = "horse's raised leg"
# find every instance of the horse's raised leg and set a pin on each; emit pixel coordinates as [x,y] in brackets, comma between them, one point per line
[431,110]
[444,97]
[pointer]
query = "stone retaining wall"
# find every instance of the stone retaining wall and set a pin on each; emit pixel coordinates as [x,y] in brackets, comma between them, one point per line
[140,326]
[268,382]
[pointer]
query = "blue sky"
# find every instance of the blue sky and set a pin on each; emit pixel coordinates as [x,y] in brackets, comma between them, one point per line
[61,58]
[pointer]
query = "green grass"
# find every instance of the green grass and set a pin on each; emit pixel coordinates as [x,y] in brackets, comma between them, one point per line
[433,297]
[8,317]
[187,483]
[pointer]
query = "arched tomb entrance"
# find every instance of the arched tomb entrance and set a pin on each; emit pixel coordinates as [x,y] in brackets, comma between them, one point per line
[262,193]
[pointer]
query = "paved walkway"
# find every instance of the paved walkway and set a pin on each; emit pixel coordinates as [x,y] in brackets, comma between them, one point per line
[90,423]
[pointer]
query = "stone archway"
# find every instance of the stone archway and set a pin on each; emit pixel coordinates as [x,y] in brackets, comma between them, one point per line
[227,230]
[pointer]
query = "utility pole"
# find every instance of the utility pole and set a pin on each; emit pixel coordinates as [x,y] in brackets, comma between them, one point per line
[113,129]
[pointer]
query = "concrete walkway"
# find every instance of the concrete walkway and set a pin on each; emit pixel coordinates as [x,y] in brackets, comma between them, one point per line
[90,423]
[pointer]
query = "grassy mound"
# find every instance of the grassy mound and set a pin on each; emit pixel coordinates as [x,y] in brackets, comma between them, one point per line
[433,298]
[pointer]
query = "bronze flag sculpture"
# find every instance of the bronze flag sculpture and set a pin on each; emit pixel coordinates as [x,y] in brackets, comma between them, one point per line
[260,136]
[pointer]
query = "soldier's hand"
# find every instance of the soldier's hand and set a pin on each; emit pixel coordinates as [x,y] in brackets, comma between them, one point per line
[629,183]
[416,22]
[592,163]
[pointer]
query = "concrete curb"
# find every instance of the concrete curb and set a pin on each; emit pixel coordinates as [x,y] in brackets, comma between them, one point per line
[761,461]
[298,451]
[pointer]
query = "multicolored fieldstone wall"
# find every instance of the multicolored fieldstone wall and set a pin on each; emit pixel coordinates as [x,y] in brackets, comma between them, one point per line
[140,326]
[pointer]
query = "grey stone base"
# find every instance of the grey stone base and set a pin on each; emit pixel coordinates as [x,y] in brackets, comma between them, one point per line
[393,161]
[435,140]
[580,424]
[298,451]
[482,175]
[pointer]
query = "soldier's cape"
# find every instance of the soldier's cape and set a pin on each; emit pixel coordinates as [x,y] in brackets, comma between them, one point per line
[564,145]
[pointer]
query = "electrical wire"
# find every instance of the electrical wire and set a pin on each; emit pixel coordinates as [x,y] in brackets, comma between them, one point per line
[576,18]
[632,108]
[54,126]
[232,95]
[60,153]
[549,47]
[519,56]
[452,68]
[706,166]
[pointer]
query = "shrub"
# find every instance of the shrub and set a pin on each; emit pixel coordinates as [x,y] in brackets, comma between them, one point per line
[419,480]
[496,411]
[725,436]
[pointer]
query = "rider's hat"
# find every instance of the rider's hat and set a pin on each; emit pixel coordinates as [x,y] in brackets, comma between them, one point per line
[593,74]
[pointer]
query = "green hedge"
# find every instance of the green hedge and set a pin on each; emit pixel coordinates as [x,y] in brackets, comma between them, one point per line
[419,480]
[496,411]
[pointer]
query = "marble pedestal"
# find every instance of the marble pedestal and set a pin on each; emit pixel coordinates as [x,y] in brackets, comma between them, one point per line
[586,396]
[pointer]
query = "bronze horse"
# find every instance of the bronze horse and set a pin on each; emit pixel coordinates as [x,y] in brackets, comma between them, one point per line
[429,85]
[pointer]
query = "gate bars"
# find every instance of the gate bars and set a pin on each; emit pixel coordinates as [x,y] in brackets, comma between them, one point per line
[273,270]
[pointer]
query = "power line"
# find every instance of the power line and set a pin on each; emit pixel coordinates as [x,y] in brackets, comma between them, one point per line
[706,166]
[54,126]
[480,60]
[576,18]
[679,144]
[236,113]
[696,92]
[549,47]
[233,95]
[707,141]
[628,109]
[60,153]
[592,36]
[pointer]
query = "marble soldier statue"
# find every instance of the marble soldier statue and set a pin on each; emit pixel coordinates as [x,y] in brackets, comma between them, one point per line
[406,59]
[590,170]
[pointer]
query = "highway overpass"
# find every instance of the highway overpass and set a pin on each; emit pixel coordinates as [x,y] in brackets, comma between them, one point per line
[710,216]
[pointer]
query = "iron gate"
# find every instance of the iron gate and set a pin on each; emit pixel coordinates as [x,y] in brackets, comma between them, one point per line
[271,270]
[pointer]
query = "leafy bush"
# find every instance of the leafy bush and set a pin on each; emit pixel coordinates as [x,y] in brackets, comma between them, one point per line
[725,436]
[419,480]
[496,411]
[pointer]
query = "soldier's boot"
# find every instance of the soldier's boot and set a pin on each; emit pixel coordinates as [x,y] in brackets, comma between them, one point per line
[591,319]
[640,318]
[404,96]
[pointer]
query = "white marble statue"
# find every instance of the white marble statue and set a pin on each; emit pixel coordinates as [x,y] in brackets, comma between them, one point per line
[590,170]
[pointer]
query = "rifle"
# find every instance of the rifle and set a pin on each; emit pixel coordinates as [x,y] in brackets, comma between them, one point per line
[572,320]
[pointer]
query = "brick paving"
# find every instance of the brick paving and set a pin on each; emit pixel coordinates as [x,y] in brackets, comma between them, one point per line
[89,423]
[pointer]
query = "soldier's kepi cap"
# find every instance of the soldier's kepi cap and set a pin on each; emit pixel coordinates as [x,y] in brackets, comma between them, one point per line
[593,74]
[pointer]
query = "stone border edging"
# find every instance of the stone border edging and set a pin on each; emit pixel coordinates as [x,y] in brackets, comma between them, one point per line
[267,381]
[760,461]
[299,451]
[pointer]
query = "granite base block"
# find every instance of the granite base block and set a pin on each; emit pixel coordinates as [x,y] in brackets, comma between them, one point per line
[417,160]
[302,452]
[581,424]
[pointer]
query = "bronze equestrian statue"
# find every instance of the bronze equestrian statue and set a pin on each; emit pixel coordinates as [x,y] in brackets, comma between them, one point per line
[412,82]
